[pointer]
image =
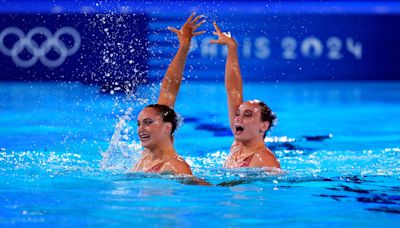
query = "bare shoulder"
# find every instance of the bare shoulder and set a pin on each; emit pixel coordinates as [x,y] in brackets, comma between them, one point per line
[138,166]
[264,158]
[177,166]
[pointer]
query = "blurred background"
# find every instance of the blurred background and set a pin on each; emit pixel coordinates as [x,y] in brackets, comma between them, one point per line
[126,42]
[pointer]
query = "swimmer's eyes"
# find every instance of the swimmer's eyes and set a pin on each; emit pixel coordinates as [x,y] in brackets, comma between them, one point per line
[145,122]
[245,114]
[148,121]
[248,114]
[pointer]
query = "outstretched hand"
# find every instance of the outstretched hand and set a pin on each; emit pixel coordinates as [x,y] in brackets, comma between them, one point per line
[188,30]
[224,38]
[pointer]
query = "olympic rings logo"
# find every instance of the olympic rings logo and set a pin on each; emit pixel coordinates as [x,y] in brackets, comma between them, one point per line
[52,42]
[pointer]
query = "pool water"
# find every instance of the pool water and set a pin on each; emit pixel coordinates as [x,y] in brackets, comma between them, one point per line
[65,149]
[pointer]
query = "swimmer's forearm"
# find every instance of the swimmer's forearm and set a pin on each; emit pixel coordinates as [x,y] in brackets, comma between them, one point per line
[233,82]
[179,60]
[174,73]
[233,77]
[173,77]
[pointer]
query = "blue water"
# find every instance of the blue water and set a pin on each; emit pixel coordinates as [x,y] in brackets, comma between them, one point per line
[65,149]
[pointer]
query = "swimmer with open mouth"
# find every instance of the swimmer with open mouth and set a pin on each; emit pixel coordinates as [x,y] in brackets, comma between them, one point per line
[249,120]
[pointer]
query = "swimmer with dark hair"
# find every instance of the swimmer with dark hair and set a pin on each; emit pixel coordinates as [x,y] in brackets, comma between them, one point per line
[249,120]
[157,122]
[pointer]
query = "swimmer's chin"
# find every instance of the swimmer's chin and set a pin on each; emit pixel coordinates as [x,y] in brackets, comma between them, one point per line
[239,138]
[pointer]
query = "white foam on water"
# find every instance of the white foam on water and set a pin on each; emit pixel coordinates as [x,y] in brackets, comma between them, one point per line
[124,147]
[122,153]
[297,166]
[38,164]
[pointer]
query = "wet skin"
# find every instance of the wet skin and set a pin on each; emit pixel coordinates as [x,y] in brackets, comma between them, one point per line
[248,148]
[159,155]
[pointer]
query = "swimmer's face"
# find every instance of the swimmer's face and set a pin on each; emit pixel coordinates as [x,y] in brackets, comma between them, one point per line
[152,130]
[247,122]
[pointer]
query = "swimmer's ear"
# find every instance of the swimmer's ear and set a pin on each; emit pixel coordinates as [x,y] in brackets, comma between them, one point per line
[168,126]
[264,126]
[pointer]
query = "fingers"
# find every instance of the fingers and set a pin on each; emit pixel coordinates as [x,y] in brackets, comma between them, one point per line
[217,29]
[198,25]
[215,41]
[198,33]
[191,25]
[174,30]
[197,18]
[190,18]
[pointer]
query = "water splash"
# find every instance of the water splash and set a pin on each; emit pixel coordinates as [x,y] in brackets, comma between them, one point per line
[124,146]
[318,165]
[121,154]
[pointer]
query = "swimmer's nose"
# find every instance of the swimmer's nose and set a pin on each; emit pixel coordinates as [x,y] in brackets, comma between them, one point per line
[237,120]
[139,128]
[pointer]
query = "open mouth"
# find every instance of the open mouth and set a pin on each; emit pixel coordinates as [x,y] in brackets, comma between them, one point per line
[238,129]
[144,137]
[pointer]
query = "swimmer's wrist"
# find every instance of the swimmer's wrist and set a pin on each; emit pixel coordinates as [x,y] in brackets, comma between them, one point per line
[232,45]
[184,46]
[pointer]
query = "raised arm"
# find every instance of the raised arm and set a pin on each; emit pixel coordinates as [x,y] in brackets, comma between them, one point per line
[233,77]
[173,77]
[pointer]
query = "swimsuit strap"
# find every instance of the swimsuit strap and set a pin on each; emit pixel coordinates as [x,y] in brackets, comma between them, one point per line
[246,161]
[156,168]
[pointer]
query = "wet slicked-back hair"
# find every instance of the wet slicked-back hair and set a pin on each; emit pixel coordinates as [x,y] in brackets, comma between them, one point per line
[167,114]
[267,115]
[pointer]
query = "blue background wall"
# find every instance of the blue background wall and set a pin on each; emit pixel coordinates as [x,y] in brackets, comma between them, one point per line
[278,40]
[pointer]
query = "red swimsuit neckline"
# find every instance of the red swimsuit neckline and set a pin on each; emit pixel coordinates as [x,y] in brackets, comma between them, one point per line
[246,161]
[156,168]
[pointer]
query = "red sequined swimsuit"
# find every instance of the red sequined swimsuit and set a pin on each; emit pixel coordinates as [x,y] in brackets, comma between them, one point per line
[156,168]
[246,161]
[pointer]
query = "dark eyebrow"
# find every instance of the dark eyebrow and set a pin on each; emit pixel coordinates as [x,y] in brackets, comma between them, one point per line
[145,119]
[247,111]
